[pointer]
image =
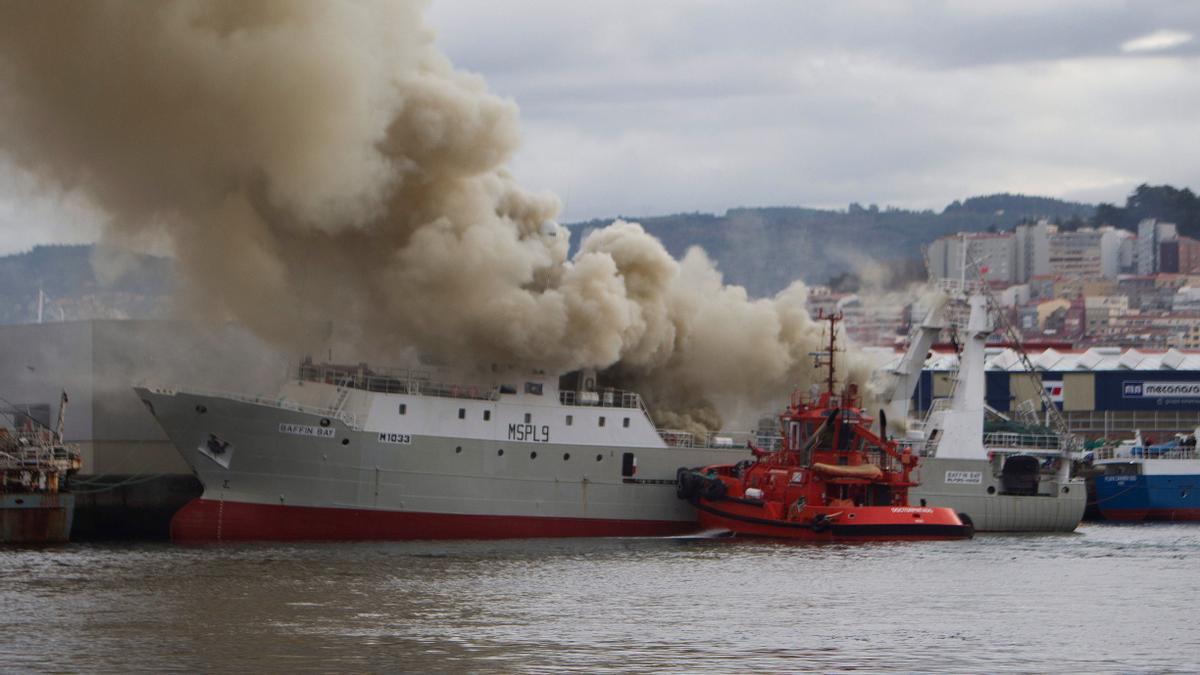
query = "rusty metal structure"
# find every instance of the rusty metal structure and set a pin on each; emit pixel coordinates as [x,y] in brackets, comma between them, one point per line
[35,470]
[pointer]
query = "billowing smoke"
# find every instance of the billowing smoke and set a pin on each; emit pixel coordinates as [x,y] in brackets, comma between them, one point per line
[319,161]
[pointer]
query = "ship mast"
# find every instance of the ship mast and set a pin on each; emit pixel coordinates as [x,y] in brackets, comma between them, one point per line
[824,359]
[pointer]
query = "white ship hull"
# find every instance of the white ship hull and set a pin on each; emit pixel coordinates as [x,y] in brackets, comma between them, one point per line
[971,486]
[445,468]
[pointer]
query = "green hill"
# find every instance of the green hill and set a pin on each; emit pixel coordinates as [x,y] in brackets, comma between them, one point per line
[765,249]
[78,284]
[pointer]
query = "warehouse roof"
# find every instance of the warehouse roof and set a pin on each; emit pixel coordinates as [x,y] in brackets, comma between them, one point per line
[1094,359]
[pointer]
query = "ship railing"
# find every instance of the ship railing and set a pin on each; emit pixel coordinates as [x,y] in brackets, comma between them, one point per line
[881,459]
[918,447]
[1019,441]
[678,438]
[395,381]
[283,403]
[605,398]
[1119,452]
[933,417]
[952,286]
[37,457]
[1000,443]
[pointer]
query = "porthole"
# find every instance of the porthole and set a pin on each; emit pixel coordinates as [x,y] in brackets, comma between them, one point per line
[487,415]
[462,413]
[601,420]
[403,408]
[324,421]
[1066,490]
[991,489]
[201,409]
[599,457]
[533,455]
[458,450]
[625,422]
[528,418]
[500,452]
[570,420]
[345,441]
[922,502]
[566,456]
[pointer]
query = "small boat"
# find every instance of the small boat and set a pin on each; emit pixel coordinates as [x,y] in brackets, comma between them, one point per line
[1149,481]
[830,479]
[36,506]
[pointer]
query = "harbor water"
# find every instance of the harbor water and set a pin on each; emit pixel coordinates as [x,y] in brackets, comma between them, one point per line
[1107,598]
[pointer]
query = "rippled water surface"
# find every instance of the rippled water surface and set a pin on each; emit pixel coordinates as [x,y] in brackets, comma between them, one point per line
[1108,598]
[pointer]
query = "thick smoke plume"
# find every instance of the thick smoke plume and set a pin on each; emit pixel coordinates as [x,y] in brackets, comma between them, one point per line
[322,161]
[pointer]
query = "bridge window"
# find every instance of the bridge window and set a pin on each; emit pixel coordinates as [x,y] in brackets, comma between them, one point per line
[601,420]
[462,413]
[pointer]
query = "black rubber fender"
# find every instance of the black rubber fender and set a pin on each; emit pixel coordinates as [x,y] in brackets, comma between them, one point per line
[820,523]
[685,483]
[968,524]
[713,489]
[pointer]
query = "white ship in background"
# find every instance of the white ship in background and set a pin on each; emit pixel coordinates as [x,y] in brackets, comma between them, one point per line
[347,452]
[1016,479]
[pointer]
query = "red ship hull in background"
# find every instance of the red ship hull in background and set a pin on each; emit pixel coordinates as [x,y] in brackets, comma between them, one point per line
[832,479]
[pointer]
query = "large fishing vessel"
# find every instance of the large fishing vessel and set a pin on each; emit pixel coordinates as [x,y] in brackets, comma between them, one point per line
[1146,481]
[1013,478]
[35,467]
[348,452]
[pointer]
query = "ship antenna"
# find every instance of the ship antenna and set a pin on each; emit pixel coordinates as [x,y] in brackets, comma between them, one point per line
[825,358]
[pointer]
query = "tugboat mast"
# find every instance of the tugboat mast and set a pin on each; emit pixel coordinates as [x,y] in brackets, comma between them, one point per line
[825,359]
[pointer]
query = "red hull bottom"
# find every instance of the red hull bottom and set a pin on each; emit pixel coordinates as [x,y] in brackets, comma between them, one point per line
[208,520]
[1138,515]
[880,524]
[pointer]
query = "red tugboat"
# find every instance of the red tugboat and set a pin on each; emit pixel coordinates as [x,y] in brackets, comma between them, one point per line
[831,479]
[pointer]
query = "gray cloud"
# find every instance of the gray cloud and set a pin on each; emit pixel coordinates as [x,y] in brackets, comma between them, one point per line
[682,106]
[639,108]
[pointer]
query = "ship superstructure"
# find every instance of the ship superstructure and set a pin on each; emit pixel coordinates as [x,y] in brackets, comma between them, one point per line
[35,467]
[1012,480]
[351,452]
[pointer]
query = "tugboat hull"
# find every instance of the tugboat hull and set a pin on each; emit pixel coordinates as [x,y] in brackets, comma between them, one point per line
[863,523]
[36,518]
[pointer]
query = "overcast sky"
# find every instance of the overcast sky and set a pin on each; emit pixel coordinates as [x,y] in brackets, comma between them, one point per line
[641,108]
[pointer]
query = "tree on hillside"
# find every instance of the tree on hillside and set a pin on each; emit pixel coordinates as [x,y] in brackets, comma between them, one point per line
[1162,202]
